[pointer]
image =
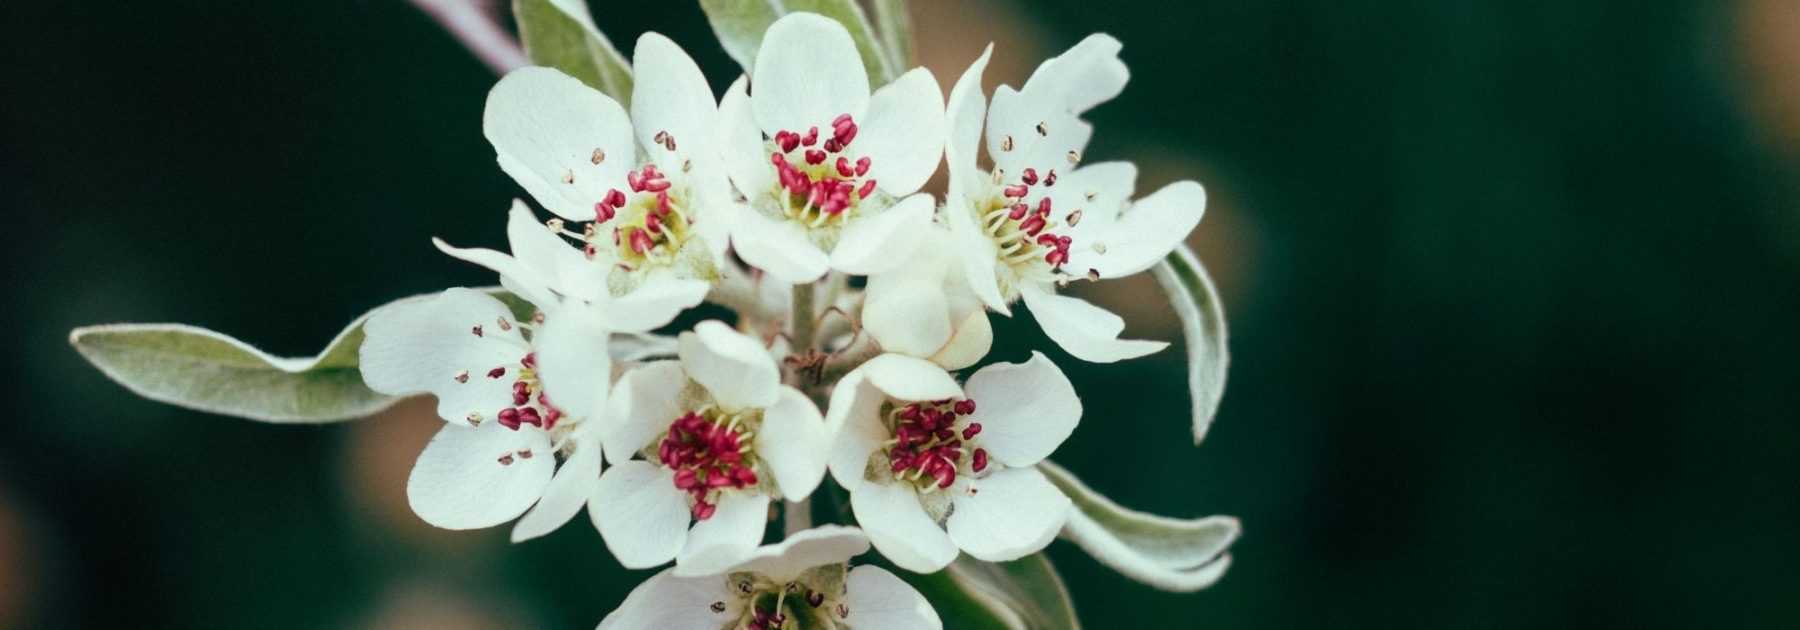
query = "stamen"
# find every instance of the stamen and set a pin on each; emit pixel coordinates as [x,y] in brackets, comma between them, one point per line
[599,156]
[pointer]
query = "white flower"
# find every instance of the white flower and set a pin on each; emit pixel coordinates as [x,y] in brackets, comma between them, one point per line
[926,309]
[719,437]
[1037,220]
[802,582]
[573,149]
[820,159]
[932,467]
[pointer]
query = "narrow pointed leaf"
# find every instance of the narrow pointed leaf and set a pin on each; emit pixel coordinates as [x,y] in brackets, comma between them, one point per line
[1025,594]
[740,24]
[1172,554]
[1196,302]
[894,24]
[561,34]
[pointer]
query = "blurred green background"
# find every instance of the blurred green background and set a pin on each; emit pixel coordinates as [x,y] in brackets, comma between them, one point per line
[1512,288]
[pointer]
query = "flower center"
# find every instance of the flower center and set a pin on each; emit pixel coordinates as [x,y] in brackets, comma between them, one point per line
[818,183]
[814,600]
[710,451]
[1025,232]
[649,225]
[932,443]
[529,403]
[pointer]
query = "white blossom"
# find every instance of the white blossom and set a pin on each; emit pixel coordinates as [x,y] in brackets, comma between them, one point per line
[926,309]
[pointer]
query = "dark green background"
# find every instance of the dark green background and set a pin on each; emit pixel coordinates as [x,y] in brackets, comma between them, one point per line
[1512,288]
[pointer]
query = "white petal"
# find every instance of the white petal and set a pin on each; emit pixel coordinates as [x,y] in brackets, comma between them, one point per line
[644,402]
[898,526]
[807,73]
[572,359]
[1089,332]
[546,127]
[735,368]
[1062,88]
[732,531]
[1025,409]
[543,253]
[878,599]
[1007,515]
[475,477]
[429,345]
[1098,190]
[903,136]
[910,378]
[667,600]
[1145,232]
[976,252]
[906,312]
[854,423]
[794,443]
[568,491]
[1087,74]
[779,248]
[967,108]
[671,96]
[873,244]
[974,336]
[786,560]
[640,514]
[654,304]
[741,142]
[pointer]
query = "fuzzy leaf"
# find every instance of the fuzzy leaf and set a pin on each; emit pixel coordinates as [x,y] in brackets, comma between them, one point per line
[561,34]
[1196,301]
[894,25]
[1181,555]
[740,24]
[1025,594]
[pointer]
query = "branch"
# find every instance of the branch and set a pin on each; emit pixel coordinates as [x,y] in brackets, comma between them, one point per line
[475,24]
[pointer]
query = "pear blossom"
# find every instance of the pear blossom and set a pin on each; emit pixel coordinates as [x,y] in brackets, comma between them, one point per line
[805,581]
[829,170]
[664,212]
[932,467]
[1040,218]
[709,440]
[926,308]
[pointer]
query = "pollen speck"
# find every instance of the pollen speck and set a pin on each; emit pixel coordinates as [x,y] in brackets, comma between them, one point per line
[599,156]
[1006,143]
[568,177]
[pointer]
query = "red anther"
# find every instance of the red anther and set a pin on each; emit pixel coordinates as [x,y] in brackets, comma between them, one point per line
[1015,190]
[867,187]
[834,205]
[635,181]
[1018,211]
[972,430]
[602,212]
[815,156]
[1029,176]
[656,185]
[529,415]
[716,478]
[910,412]
[704,510]
[550,418]
[841,120]
[900,461]
[843,167]
[640,242]
[744,476]
[1063,242]
[530,360]
[1047,239]
[662,203]
[945,476]
[685,479]
[650,171]
[509,418]
[965,406]
[928,420]
[521,393]
[778,160]
[816,197]
[1057,257]
[862,166]
[833,145]
[615,198]
[843,135]
[652,223]
[1050,179]
[497,372]
[978,461]
[1043,207]
[945,433]
[787,140]
[811,137]
[1032,225]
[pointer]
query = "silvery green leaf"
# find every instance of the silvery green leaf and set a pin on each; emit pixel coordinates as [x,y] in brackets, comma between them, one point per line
[561,34]
[1196,301]
[1025,594]
[1182,555]
[740,24]
[894,24]
[199,369]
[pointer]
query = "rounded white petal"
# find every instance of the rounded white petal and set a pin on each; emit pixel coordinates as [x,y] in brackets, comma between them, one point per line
[873,244]
[974,336]
[878,599]
[644,402]
[1007,515]
[670,95]
[544,254]
[1041,132]
[568,491]
[741,145]
[654,304]
[572,360]
[430,345]
[854,422]
[899,527]
[779,248]
[667,600]
[1099,190]
[976,252]
[1026,410]
[730,534]
[474,477]
[903,136]
[735,368]
[1144,233]
[547,127]
[640,514]
[906,311]
[910,378]
[1087,74]
[786,560]
[807,73]
[794,443]
[1089,332]
[965,111]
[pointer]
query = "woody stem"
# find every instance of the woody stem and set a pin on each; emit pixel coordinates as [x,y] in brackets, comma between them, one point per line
[803,320]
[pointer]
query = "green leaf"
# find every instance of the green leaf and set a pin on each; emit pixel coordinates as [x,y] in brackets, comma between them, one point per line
[561,34]
[894,25]
[1196,301]
[1181,555]
[1025,594]
[199,369]
[740,25]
